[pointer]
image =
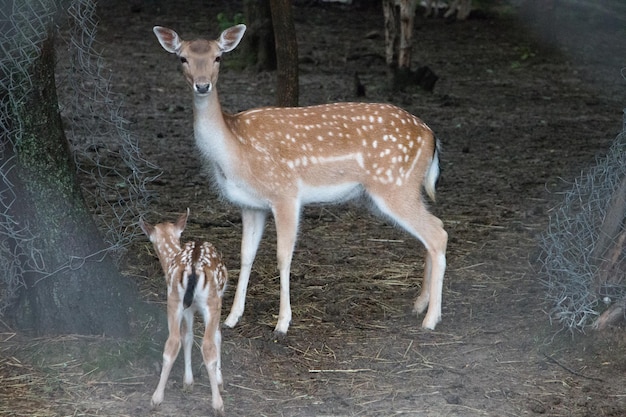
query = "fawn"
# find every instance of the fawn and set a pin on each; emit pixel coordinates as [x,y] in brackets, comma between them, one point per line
[278,159]
[196,279]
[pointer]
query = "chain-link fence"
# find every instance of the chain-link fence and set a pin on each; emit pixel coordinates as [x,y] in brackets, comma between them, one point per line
[575,246]
[112,173]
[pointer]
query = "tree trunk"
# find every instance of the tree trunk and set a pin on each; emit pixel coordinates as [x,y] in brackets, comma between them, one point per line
[286,53]
[391,33]
[73,285]
[258,48]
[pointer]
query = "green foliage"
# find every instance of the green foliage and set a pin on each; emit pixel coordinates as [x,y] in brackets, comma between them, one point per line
[525,54]
[224,21]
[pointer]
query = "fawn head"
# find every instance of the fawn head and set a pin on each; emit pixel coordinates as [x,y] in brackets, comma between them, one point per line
[165,237]
[200,58]
[165,231]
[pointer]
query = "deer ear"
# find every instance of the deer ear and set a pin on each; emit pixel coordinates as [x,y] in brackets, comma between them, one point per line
[230,38]
[168,39]
[182,221]
[146,227]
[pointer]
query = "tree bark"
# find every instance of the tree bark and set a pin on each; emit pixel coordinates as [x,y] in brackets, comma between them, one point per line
[258,47]
[72,285]
[391,33]
[286,53]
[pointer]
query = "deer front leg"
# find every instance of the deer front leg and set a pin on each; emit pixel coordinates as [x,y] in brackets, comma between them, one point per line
[286,217]
[253,222]
[464,9]
[428,8]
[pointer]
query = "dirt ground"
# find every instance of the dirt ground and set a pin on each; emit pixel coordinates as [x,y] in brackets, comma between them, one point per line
[519,118]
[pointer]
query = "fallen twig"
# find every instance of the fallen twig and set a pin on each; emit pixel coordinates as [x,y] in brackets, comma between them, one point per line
[337,371]
[570,370]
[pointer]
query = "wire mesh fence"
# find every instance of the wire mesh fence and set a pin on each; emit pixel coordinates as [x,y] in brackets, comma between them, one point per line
[575,244]
[113,175]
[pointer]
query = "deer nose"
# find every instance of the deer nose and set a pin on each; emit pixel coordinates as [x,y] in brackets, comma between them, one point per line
[202,88]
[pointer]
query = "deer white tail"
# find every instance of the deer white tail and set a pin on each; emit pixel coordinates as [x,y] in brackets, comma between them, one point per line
[432,175]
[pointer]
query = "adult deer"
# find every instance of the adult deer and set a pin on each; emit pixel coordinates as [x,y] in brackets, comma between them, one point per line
[279,159]
[196,279]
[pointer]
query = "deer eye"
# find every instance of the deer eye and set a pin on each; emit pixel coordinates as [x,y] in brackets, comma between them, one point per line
[183,60]
[218,59]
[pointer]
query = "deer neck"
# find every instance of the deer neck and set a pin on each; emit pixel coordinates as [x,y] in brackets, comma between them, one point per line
[166,250]
[211,132]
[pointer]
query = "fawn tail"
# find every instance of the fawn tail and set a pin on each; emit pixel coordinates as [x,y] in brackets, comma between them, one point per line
[192,279]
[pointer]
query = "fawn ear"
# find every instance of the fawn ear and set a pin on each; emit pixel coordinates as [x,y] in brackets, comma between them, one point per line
[168,39]
[230,38]
[182,221]
[146,227]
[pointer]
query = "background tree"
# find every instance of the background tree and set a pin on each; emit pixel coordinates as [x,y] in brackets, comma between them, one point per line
[258,47]
[286,53]
[270,44]
[81,290]
[67,279]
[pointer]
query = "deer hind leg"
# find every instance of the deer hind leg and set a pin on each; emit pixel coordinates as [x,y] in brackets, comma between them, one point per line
[452,8]
[465,9]
[286,217]
[411,214]
[170,352]
[187,339]
[462,8]
[253,222]
[422,300]
[211,354]
[428,8]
